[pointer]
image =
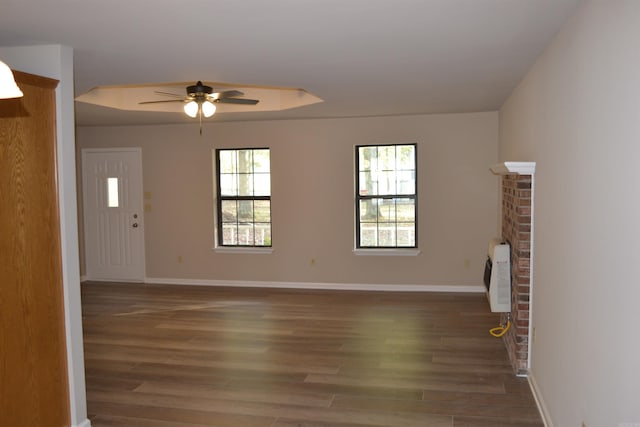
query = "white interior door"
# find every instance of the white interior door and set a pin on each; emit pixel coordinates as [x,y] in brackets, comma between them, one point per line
[113,222]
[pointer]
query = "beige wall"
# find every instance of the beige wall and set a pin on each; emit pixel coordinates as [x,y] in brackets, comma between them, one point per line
[312,196]
[577,114]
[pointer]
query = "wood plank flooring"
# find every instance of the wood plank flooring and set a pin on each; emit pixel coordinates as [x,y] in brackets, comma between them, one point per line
[180,356]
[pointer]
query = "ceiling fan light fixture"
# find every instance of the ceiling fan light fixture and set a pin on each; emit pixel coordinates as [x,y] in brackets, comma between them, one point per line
[208,109]
[8,87]
[191,109]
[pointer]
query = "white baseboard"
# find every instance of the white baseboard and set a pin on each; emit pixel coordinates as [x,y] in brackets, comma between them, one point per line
[85,423]
[542,408]
[89,279]
[317,286]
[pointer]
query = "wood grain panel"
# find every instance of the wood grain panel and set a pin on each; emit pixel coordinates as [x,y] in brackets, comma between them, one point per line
[166,355]
[33,390]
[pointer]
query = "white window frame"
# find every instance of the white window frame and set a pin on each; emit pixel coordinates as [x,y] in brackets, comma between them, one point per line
[381,250]
[239,249]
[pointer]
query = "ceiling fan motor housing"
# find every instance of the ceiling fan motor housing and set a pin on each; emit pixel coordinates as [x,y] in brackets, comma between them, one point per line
[199,89]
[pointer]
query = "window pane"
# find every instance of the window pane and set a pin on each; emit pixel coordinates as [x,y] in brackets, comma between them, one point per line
[406,155]
[228,184]
[368,234]
[387,211]
[387,235]
[369,210]
[245,184]
[263,234]
[262,184]
[262,211]
[406,234]
[367,183]
[229,211]
[386,158]
[245,234]
[245,210]
[367,156]
[229,234]
[261,161]
[405,210]
[112,193]
[406,182]
[386,182]
[245,161]
[228,161]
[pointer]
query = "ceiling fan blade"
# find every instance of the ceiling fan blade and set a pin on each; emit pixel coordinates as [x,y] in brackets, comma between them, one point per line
[168,94]
[157,102]
[237,101]
[227,94]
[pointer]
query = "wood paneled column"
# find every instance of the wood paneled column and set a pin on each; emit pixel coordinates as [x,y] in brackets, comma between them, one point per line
[33,367]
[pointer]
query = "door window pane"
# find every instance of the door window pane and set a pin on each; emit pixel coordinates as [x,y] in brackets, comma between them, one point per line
[113,199]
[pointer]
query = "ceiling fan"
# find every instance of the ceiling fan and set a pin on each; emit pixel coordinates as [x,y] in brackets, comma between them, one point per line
[200,100]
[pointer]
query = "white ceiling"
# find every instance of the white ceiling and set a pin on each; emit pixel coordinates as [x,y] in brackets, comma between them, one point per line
[363,57]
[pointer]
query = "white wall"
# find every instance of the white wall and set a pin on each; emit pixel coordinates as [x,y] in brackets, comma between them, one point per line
[56,62]
[577,114]
[313,199]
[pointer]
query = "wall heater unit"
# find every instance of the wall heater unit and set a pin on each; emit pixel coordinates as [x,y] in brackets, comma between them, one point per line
[497,276]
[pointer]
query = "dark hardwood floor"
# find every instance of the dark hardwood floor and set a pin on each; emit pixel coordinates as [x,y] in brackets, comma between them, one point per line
[180,356]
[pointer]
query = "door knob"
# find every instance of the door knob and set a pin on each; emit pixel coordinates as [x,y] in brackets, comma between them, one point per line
[135,225]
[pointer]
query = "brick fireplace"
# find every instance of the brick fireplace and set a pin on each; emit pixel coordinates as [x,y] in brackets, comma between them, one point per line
[517,184]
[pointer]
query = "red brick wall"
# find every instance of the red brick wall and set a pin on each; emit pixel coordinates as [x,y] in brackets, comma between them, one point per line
[516,230]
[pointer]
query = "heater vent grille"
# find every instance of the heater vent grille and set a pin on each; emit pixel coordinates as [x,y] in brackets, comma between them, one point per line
[497,276]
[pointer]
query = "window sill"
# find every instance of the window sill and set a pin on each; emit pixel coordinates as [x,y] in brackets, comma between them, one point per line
[242,250]
[387,252]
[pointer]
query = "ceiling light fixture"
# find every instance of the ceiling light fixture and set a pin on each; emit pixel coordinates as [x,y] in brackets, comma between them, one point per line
[208,109]
[200,102]
[191,109]
[8,86]
[199,106]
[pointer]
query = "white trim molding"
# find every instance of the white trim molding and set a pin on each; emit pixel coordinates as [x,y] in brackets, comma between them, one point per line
[243,250]
[89,279]
[319,286]
[542,408]
[520,168]
[84,423]
[386,252]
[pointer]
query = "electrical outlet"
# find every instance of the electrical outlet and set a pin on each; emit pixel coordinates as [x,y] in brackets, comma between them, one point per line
[312,261]
[584,424]
[180,259]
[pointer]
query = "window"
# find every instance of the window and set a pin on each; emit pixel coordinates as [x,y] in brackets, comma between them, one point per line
[244,197]
[386,196]
[113,201]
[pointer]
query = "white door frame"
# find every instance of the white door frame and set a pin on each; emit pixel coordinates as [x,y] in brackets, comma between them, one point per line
[140,276]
